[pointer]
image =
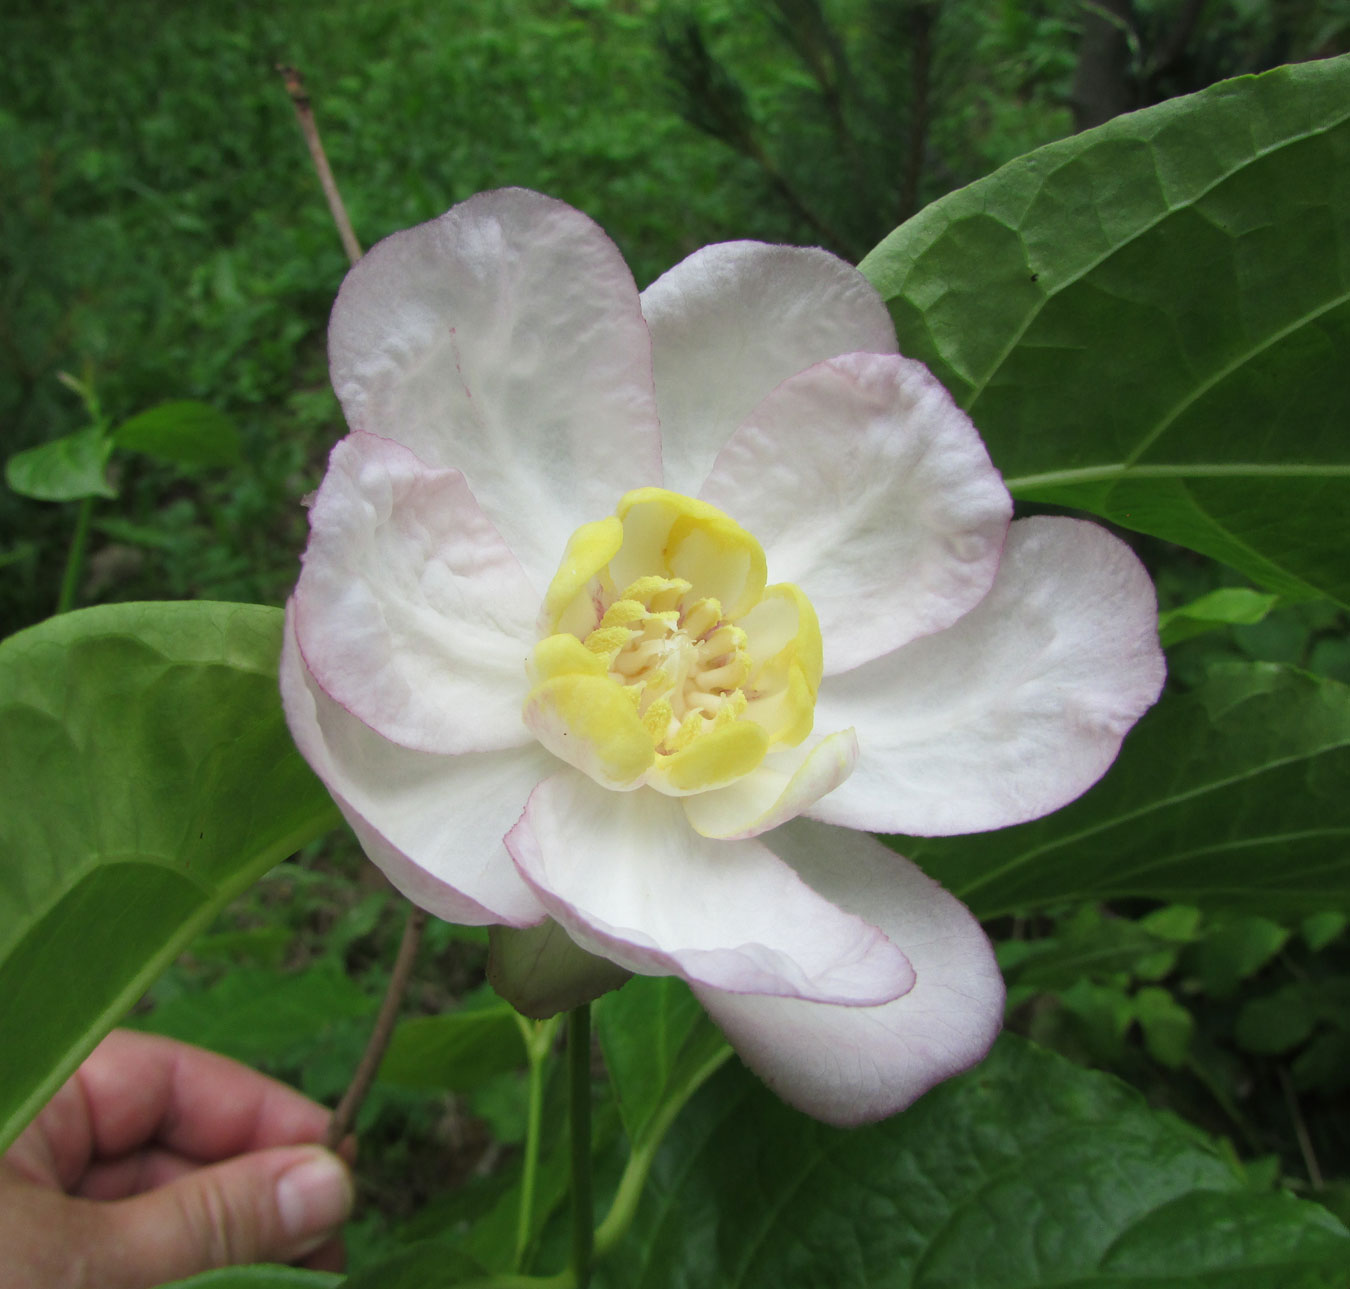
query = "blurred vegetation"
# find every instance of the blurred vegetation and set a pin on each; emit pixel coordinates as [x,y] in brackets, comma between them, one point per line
[163,237]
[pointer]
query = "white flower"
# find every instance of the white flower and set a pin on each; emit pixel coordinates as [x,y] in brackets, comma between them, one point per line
[535,656]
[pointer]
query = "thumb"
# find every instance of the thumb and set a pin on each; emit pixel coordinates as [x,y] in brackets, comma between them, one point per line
[268,1206]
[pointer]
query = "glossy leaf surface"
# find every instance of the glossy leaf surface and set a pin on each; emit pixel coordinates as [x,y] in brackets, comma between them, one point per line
[148,778]
[1149,320]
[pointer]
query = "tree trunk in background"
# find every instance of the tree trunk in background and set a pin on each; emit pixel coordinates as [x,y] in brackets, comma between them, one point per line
[1103,85]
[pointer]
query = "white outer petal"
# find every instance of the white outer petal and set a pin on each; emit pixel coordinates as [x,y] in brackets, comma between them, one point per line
[871,490]
[505,339]
[410,610]
[433,824]
[1018,708]
[736,319]
[851,1065]
[629,880]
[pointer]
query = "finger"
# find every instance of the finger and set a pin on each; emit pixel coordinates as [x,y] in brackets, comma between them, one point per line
[143,1170]
[140,1088]
[275,1205]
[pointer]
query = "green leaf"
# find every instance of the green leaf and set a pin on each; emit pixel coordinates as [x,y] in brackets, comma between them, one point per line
[650,1030]
[260,1277]
[456,1051]
[150,778]
[432,1264]
[1026,1172]
[183,433]
[1237,949]
[252,1014]
[66,469]
[1148,320]
[1166,1024]
[1230,797]
[1228,606]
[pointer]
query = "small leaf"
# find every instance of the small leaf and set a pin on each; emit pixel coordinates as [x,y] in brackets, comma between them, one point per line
[183,433]
[157,780]
[1167,1026]
[1235,950]
[66,469]
[1228,606]
[456,1051]
[1277,1022]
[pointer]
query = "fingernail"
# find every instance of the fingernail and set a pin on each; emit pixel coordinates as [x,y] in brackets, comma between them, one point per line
[314,1196]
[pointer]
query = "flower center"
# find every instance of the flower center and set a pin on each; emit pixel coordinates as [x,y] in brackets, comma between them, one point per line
[665,660]
[684,663]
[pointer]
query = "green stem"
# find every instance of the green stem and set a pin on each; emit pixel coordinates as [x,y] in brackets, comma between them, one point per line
[70,580]
[579,1114]
[538,1039]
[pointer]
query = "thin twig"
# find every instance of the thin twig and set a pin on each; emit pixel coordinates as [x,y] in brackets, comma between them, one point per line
[304,113]
[345,1115]
[1300,1129]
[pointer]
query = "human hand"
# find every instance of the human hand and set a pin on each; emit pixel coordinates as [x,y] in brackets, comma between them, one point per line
[156,1161]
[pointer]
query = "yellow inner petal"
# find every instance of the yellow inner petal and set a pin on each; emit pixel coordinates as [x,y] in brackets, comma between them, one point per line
[666,659]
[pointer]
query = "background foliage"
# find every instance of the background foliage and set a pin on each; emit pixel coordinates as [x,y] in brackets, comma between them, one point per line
[162,238]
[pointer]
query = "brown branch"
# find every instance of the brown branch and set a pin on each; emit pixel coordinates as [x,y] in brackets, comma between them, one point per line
[345,1115]
[304,113]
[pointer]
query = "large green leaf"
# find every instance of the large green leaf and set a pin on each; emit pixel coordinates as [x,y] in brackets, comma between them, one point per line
[260,1277]
[1150,320]
[1027,1172]
[653,1034]
[147,777]
[1233,796]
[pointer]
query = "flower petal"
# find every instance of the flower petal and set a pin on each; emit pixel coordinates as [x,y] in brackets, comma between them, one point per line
[734,320]
[629,880]
[1018,708]
[505,339]
[434,824]
[410,610]
[851,1065]
[789,781]
[870,489]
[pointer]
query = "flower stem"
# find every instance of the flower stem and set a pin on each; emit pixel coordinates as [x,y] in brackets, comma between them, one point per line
[70,579]
[538,1039]
[579,1115]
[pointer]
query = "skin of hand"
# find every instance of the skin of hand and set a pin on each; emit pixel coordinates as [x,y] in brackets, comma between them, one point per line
[156,1161]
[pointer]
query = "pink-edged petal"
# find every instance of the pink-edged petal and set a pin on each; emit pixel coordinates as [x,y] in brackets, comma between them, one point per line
[1018,708]
[734,320]
[434,824]
[410,610]
[505,339]
[630,881]
[788,781]
[871,490]
[851,1065]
